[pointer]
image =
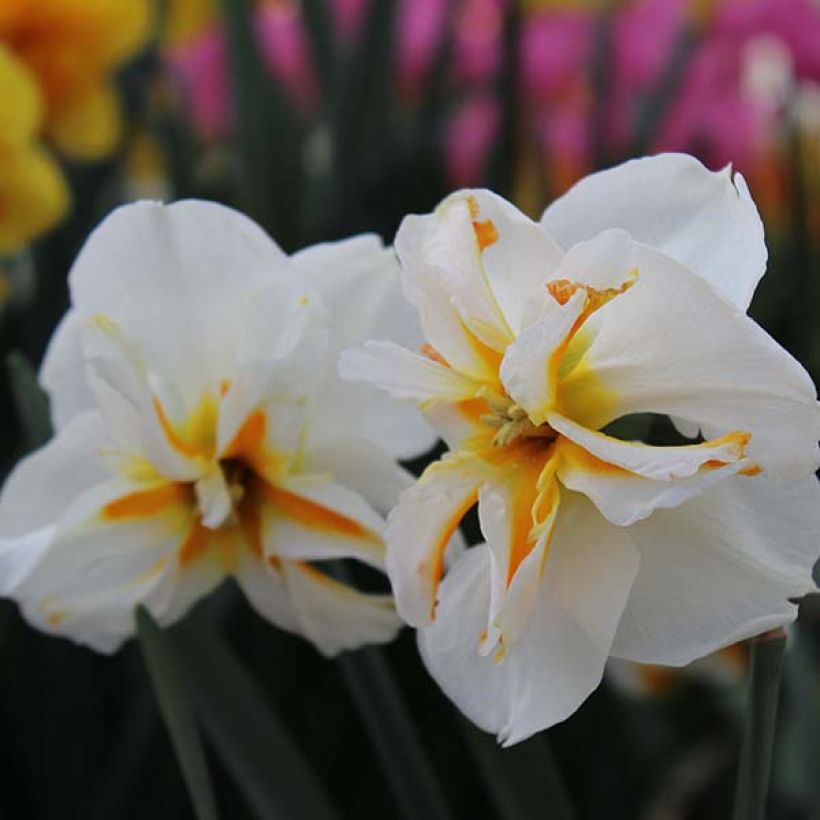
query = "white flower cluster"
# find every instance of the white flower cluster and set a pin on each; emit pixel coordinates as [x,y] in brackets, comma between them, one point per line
[218,413]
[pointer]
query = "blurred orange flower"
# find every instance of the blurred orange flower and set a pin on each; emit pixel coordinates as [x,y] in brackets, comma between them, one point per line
[71,48]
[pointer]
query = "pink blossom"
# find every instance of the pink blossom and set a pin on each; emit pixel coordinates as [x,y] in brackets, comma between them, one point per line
[469,138]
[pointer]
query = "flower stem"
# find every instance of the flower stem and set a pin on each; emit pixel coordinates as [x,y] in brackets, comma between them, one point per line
[758,737]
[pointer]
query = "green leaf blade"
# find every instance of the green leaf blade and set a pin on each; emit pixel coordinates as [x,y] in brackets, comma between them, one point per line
[177,712]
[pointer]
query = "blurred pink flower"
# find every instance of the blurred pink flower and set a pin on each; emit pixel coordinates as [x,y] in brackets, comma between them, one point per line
[468,139]
[202,66]
[348,17]
[477,43]
[420,27]
[555,48]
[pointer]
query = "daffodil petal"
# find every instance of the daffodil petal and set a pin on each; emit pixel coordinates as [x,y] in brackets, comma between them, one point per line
[670,345]
[624,497]
[443,326]
[420,528]
[361,466]
[405,374]
[198,254]
[62,373]
[86,125]
[660,463]
[706,221]
[46,482]
[529,370]
[560,659]
[335,616]
[98,567]
[720,568]
[314,518]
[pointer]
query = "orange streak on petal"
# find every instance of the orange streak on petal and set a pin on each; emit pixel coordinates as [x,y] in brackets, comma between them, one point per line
[432,567]
[146,503]
[431,353]
[486,233]
[313,515]
[195,543]
[248,443]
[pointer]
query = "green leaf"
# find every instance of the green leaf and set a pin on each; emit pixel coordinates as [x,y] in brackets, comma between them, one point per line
[257,750]
[390,726]
[268,134]
[319,26]
[758,738]
[522,781]
[30,400]
[175,705]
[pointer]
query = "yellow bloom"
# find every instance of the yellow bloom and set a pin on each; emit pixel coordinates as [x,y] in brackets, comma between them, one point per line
[33,195]
[186,19]
[72,47]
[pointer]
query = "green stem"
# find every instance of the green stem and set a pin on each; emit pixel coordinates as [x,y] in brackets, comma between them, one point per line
[393,735]
[521,781]
[177,713]
[758,738]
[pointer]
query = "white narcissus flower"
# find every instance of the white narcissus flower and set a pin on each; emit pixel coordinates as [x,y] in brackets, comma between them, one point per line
[203,431]
[629,297]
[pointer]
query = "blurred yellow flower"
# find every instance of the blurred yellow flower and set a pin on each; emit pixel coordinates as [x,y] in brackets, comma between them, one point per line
[33,195]
[186,19]
[72,47]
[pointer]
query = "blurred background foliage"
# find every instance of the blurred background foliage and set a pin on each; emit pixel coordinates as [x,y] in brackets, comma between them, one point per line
[319,119]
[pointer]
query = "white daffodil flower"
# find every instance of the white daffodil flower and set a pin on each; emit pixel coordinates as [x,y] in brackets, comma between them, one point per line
[629,297]
[203,432]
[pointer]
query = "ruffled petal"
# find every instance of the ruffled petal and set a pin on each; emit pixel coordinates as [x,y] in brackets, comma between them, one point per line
[624,497]
[419,529]
[670,345]
[560,659]
[312,518]
[335,616]
[720,568]
[45,483]
[147,259]
[706,221]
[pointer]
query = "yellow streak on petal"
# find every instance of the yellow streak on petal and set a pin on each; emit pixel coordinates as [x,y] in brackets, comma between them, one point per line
[195,543]
[174,439]
[147,503]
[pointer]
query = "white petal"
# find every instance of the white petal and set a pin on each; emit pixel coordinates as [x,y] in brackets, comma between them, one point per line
[670,345]
[624,497]
[521,257]
[419,529]
[96,570]
[265,588]
[361,466]
[313,518]
[213,498]
[560,659]
[706,221]
[175,279]
[720,568]
[363,410]
[443,327]
[358,280]
[335,616]
[43,484]
[62,374]
[661,463]
[529,370]
[405,374]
